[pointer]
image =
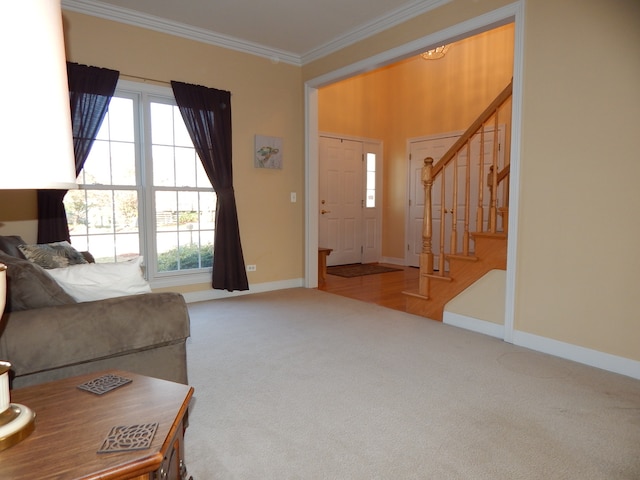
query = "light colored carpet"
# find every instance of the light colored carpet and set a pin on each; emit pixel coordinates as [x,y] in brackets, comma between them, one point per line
[302,384]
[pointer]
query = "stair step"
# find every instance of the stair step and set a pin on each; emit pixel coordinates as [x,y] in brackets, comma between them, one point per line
[434,276]
[415,294]
[461,256]
[489,234]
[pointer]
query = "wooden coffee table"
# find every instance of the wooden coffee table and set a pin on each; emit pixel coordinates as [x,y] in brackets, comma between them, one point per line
[73,424]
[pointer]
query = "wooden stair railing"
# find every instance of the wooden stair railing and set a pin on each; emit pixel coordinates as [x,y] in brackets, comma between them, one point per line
[496,184]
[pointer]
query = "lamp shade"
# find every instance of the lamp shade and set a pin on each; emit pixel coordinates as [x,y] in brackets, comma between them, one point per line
[36,144]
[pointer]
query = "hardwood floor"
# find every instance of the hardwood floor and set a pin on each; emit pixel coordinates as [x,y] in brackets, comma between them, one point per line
[383,289]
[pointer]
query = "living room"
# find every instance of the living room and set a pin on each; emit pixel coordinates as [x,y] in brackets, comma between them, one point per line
[573,263]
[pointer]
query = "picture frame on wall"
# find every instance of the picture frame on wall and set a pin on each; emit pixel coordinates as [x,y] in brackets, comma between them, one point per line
[267,152]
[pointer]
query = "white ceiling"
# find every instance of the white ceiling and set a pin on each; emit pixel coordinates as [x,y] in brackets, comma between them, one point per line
[294,31]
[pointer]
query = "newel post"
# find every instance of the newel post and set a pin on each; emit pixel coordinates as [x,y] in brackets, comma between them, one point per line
[426,257]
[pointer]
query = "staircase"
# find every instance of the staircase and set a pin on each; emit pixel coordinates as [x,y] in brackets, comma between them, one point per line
[470,225]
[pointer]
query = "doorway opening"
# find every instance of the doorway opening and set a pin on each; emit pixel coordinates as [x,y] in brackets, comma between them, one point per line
[512,13]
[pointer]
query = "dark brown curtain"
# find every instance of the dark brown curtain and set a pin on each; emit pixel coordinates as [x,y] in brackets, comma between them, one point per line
[90,91]
[207,115]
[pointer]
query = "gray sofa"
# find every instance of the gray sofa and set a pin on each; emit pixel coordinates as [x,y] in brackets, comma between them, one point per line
[46,335]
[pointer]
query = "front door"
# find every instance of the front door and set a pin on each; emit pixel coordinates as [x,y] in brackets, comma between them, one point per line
[341,199]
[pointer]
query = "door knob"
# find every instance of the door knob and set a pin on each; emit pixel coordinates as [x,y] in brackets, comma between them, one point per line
[323,211]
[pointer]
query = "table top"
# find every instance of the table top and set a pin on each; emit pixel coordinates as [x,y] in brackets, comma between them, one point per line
[72,425]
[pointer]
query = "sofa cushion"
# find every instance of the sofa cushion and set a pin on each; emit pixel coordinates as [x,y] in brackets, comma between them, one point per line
[97,281]
[9,245]
[38,341]
[52,255]
[29,286]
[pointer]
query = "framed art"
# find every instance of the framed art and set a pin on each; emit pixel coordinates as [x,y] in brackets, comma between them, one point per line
[267,152]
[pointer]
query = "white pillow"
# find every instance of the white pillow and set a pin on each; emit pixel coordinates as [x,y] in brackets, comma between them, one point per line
[97,281]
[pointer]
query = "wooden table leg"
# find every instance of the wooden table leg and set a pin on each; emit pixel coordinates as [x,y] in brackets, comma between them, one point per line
[322,264]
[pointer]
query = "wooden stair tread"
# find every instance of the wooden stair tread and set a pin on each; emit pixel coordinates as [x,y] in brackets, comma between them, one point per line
[489,234]
[414,293]
[461,256]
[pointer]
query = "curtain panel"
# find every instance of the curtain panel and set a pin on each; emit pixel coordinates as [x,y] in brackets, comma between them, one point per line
[207,115]
[90,91]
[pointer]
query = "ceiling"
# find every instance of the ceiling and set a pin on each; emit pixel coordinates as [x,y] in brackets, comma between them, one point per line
[293,31]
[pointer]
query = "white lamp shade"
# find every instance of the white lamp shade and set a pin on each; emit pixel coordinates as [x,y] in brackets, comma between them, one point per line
[36,145]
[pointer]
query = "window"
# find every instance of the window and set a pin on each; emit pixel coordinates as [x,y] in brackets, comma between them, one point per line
[371,181]
[143,190]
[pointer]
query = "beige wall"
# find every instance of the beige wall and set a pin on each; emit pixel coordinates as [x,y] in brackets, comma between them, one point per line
[267,99]
[577,255]
[415,98]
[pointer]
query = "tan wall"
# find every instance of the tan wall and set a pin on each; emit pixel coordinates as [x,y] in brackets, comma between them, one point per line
[267,99]
[414,98]
[577,258]
[579,262]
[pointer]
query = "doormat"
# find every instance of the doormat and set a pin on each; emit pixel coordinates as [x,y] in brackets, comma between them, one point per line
[359,270]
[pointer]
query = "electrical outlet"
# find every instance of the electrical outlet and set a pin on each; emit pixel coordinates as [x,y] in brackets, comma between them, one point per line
[251,268]
[293,197]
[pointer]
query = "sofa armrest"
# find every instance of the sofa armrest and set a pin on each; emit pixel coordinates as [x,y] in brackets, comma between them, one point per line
[47,338]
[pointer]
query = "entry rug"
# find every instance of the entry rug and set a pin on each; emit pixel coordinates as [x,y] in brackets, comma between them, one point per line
[359,270]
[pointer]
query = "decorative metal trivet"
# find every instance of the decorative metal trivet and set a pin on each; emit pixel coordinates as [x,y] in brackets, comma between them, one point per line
[104,384]
[126,438]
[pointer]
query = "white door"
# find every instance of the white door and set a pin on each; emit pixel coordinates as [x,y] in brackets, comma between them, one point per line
[350,203]
[418,151]
[341,200]
[436,148]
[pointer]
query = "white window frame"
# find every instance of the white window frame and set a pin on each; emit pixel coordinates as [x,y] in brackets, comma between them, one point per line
[143,95]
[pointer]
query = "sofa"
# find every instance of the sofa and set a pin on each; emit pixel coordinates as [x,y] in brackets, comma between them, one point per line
[46,334]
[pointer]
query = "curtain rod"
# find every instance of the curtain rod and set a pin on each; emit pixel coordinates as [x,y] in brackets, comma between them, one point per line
[144,79]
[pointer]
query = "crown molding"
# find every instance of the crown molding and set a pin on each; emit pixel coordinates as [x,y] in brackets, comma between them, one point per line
[380,24]
[131,17]
[137,19]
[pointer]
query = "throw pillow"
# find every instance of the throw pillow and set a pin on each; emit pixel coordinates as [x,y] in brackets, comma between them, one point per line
[97,281]
[29,286]
[53,255]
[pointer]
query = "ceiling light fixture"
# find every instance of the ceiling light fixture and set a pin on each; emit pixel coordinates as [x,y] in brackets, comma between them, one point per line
[435,53]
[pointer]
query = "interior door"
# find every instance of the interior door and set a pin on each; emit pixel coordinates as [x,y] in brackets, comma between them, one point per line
[436,148]
[341,199]
[418,151]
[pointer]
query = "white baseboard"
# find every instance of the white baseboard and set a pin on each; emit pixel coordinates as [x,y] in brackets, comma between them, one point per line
[204,295]
[393,261]
[568,351]
[473,324]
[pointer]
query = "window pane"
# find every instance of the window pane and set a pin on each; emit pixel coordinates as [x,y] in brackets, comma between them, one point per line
[121,120]
[123,163]
[182,137]
[76,208]
[127,246]
[167,246]
[126,211]
[97,167]
[370,201]
[161,124]
[102,248]
[163,167]
[185,167]
[99,211]
[201,175]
